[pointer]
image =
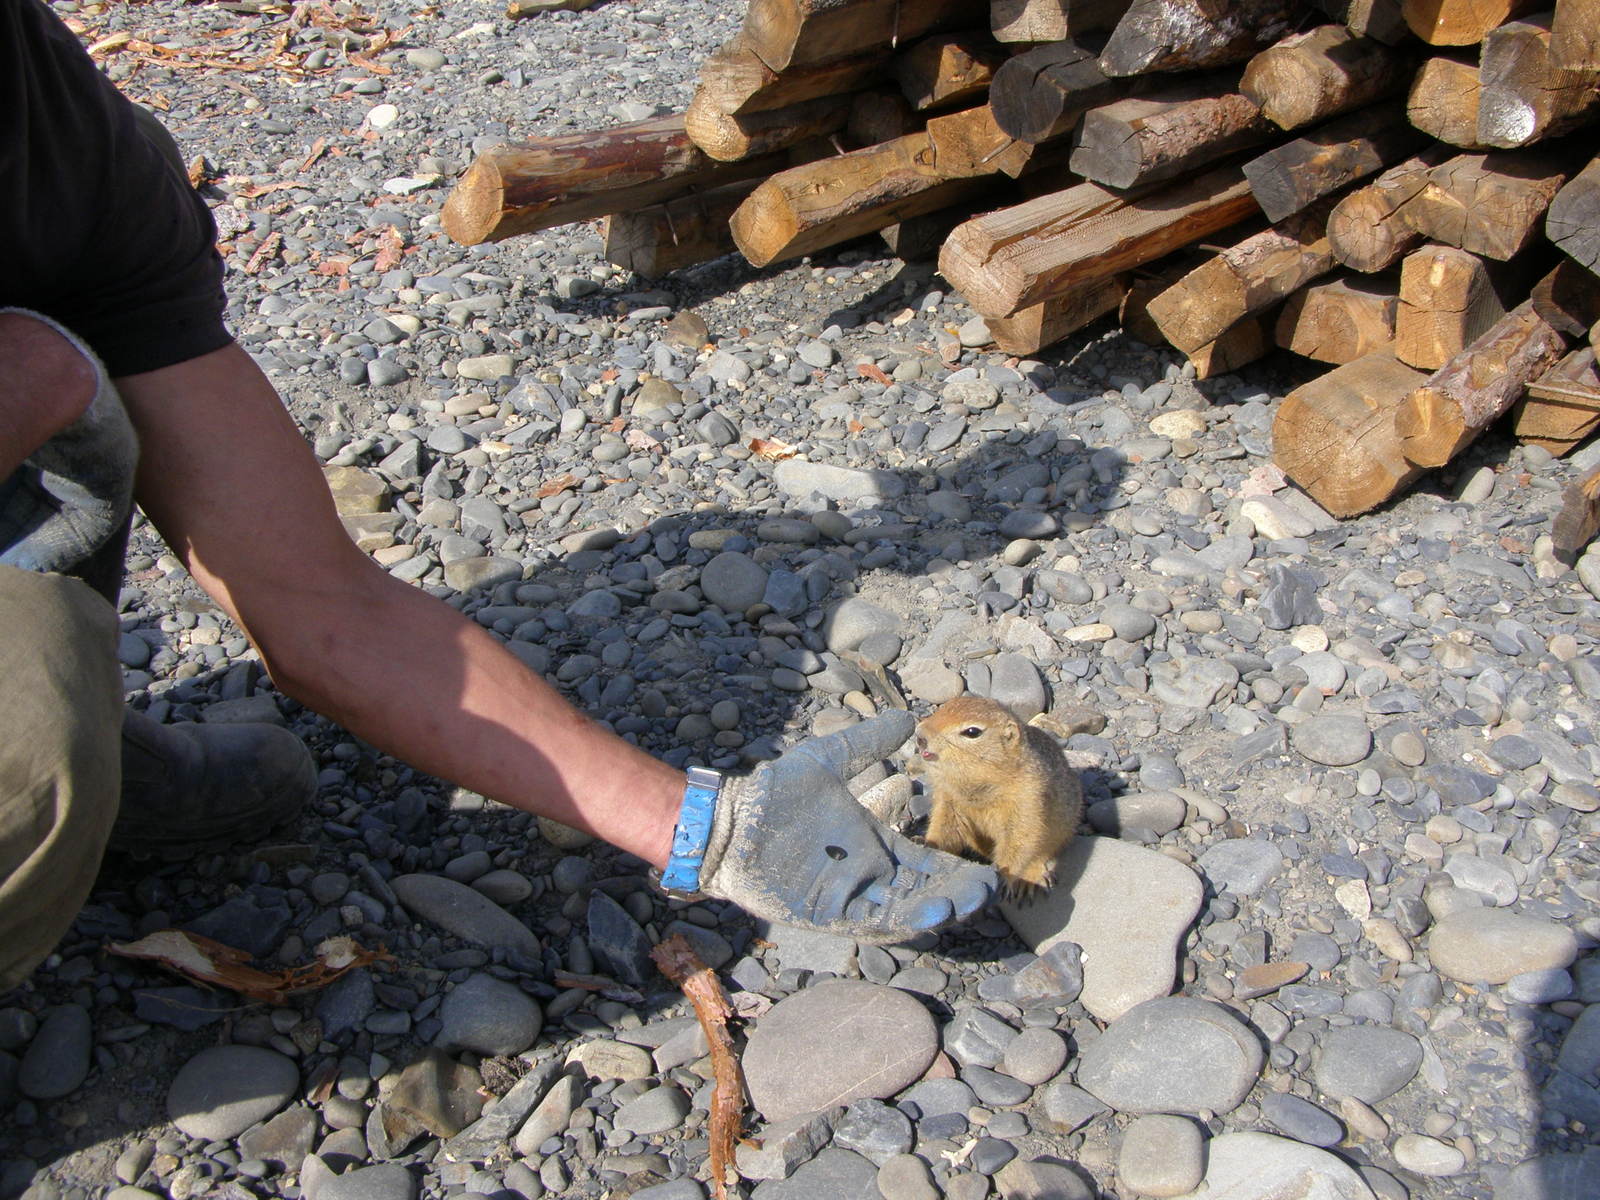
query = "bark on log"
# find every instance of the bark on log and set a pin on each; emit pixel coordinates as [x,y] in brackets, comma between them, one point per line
[1444,101]
[1461,22]
[1290,177]
[1145,139]
[1335,436]
[1183,35]
[1489,204]
[1006,260]
[1243,280]
[1568,298]
[1562,406]
[943,71]
[1040,93]
[1574,219]
[1309,77]
[1447,301]
[736,138]
[659,238]
[1464,397]
[1524,96]
[1339,321]
[1042,21]
[1046,323]
[811,207]
[967,144]
[1368,229]
[1238,346]
[1579,519]
[1378,19]
[735,81]
[919,238]
[1575,35]
[792,33]
[556,181]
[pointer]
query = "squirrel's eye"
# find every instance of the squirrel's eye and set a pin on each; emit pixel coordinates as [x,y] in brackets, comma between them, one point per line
[972,731]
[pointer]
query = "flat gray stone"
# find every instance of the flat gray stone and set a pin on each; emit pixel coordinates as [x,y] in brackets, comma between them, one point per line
[1242,866]
[1368,1062]
[834,1174]
[57,1059]
[1192,682]
[733,581]
[1491,945]
[857,1039]
[284,1140]
[1161,1155]
[221,1092]
[1127,907]
[784,1145]
[1332,739]
[493,1130]
[874,1130]
[656,1111]
[1029,1179]
[386,1181]
[1260,1166]
[488,1016]
[467,914]
[848,486]
[1552,1177]
[1173,1055]
[1302,1120]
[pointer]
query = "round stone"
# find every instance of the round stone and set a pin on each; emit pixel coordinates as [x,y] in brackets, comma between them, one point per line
[1368,1062]
[658,1110]
[1333,739]
[1301,1119]
[221,1092]
[734,582]
[1161,1156]
[1492,945]
[1034,1055]
[1262,1166]
[1427,1156]
[1172,1055]
[57,1059]
[488,1016]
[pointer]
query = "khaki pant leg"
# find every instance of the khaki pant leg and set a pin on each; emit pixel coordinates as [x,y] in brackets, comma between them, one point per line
[60,758]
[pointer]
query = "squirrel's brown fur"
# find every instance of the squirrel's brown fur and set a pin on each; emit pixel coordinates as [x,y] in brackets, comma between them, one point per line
[1001,789]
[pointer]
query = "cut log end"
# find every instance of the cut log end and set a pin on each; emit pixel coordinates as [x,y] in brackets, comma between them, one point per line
[1430,427]
[474,212]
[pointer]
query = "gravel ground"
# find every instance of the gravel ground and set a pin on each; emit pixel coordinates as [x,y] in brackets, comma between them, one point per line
[1342,775]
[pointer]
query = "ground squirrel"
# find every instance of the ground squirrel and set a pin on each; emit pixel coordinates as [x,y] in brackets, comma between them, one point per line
[1001,789]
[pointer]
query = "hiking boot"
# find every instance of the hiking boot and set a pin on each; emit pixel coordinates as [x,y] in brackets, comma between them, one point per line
[188,788]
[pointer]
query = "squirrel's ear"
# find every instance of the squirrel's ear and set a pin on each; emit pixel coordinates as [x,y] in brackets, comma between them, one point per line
[1011,732]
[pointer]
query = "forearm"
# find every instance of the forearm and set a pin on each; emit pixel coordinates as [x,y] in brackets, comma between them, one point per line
[45,385]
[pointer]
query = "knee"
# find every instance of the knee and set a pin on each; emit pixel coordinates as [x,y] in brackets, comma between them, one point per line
[52,376]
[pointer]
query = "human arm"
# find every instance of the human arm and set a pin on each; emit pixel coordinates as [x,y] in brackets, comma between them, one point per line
[45,385]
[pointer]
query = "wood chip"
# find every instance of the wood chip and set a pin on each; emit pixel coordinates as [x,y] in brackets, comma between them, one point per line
[209,961]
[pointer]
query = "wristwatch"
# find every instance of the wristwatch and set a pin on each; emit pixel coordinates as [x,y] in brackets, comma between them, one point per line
[692,834]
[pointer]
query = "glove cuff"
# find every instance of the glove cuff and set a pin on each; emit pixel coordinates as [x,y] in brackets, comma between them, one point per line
[692,834]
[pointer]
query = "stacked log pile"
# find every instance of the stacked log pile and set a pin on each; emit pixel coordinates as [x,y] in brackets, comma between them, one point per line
[1391,187]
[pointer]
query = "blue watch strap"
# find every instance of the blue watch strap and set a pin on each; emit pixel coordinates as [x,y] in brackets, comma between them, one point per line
[693,832]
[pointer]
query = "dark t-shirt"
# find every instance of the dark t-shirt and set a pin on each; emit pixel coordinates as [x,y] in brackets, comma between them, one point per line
[98,229]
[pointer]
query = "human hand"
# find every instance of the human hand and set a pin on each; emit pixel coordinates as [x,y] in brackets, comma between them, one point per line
[789,843]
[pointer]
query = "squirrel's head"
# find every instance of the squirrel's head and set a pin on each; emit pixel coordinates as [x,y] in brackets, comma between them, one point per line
[969,728]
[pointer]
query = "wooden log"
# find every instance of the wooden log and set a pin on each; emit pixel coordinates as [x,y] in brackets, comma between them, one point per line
[576,177]
[967,144]
[1237,346]
[1043,21]
[1444,100]
[1148,282]
[1335,437]
[1309,77]
[1289,177]
[1524,96]
[659,238]
[1243,280]
[1447,301]
[1574,219]
[1007,260]
[1145,139]
[1183,35]
[1046,323]
[728,138]
[1562,406]
[1489,204]
[735,81]
[919,238]
[1040,93]
[1339,321]
[1575,35]
[943,71]
[1367,229]
[879,116]
[792,33]
[1461,22]
[1461,399]
[1568,298]
[817,205]
[1579,519]
[1377,19]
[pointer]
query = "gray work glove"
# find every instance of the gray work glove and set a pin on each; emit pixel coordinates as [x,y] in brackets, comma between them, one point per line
[791,844]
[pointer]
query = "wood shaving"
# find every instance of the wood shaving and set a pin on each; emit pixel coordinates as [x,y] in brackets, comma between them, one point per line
[209,961]
[771,449]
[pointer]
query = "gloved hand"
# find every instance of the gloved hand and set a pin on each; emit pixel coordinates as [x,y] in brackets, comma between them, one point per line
[791,844]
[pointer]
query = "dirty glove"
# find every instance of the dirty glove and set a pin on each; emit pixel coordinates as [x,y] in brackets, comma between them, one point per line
[789,843]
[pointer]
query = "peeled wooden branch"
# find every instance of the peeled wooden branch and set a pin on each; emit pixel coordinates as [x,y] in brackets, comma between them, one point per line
[1052,20]
[1574,220]
[1046,323]
[1335,436]
[1525,96]
[1461,22]
[791,33]
[1461,399]
[737,138]
[1489,204]
[1290,177]
[1575,35]
[1041,93]
[1310,77]
[946,70]
[659,238]
[1145,139]
[1007,260]
[1339,321]
[556,181]
[1446,301]
[1243,280]
[1367,229]
[1182,35]
[1444,102]
[811,207]
[1377,19]
[735,81]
